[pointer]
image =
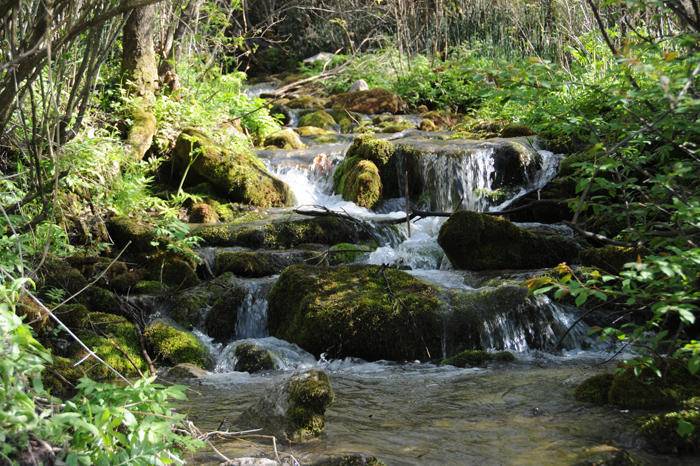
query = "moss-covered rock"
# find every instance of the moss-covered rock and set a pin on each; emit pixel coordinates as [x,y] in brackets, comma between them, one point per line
[283,233]
[347,121]
[427,125]
[294,411]
[312,131]
[609,258]
[255,264]
[172,270]
[319,119]
[371,102]
[285,138]
[61,377]
[237,175]
[476,241]
[140,233]
[184,371]
[370,148]
[606,455]
[356,310]
[358,180]
[477,358]
[395,126]
[307,102]
[252,358]
[172,346]
[149,287]
[202,212]
[595,389]
[662,431]
[350,460]
[346,253]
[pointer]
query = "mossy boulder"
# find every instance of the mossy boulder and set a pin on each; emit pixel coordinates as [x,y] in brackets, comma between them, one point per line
[346,253]
[172,270]
[172,346]
[283,233]
[609,258]
[356,310]
[238,175]
[307,102]
[371,102]
[427,125]
[61,377]
[477,358]
[254,264]
[140,233]
[367,147]
[294,411]
[318,119]
[476,241]
[286,139]
[662,432]
[184,371]
[202,212]
[358,181]
[347,121]
[595,389]
[252,358]
[149,287]
[312,131]
[606,455]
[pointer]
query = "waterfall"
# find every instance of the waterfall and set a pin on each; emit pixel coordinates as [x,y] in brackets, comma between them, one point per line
[251,321]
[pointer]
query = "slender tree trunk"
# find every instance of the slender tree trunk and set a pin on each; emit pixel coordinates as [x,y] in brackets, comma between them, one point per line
[141,71]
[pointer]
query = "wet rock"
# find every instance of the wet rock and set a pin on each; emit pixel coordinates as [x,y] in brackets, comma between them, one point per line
[185,371]
[595,389]
[356,310]
[345,119]
[282,112]
[172,346]
[237,175]
[359,85]
[662,431]
[370,102]
[283,232]
[286,139]
[318,119]
[609,258]
[367,147]
[294,411]
[358,181]
[252,358]
[140,233]
[477,358]
[346,253]
[307,102]
[606,455]
[149,287]
[203,213]
[249,461]
[172,270]
[258,263]
[475,241]
[312,131]
[350,460]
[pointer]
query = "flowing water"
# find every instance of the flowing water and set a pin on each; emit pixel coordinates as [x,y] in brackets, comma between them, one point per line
[522,413]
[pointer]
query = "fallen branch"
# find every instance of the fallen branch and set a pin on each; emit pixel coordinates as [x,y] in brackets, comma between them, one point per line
[598,237]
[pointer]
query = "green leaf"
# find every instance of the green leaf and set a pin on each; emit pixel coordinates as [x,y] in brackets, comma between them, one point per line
[685,429]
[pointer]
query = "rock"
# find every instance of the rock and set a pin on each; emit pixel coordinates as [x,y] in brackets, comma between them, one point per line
[514,131]
[475,241]
[237,175]
[359,85]
[477,358]
[172,346]
[358,181]
[318,119]
[370,102]
[295,411]
[595,389]
[184,371]
[367,147]
[349,311]
[220,298]
[203,213]
[141,234]
[285,139]
[312,131]
[171,270]
[346,120]
[609,258]
[61,377]
[395,126]
[346,253]
[149,287]
[283,232]
[282,113]
[249,461]
[662,432]
[258,263]
[606,455]
[307,102]
[427,125]
[252,358]
[350,460]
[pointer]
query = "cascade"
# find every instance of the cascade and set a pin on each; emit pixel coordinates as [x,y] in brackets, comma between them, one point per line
[251,321]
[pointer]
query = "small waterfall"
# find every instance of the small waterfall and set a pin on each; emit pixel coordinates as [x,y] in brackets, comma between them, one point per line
[540,324]
[251,321]
[286,356]
[255,90]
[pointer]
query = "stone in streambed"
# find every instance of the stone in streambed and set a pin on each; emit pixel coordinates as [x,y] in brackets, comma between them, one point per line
[371,102]
[318,119]
[477,358]
[662,431]
[185,371]
[252,358]
[286,139]
[255,264]
[236,174]
[172,346]
[358,181]
[475,241]
[294,411]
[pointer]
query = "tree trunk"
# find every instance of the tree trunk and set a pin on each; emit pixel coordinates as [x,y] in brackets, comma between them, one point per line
[173,53]
[140,70]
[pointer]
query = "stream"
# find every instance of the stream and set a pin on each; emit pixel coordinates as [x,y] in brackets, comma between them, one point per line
[411,413]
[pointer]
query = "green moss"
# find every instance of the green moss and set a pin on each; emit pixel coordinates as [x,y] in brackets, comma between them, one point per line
[356,310]
[477,358]
[368,147]
[251,358]
[173,346]
[358,180]
[661,432]
[395,126]
[142,131]
[514,131]
[609,258]
[285,139]
[595,389]
[319,119]
[476,241]
[371,102]
[238,175]
[61,377]
[346,120]
[203,213]
[346,253]
[246,264]
[124,229]
[149,287]
[171,270]
[309,395]
[312,131]
[307,102]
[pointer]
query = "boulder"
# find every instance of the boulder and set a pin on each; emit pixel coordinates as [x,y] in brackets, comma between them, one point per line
[359,85]
[477,358]
[662,431]
[294,411]
[318,119]
[202,212]
[185,371]
[237,174]
[172,346]
[358,181]
[367,147]
[285,138]
[356,310]
[307,102]
[282,113]
[141,234]
[252,358]
[171,269]
[312,131]
[371,102]
[253,264]
[475,241]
